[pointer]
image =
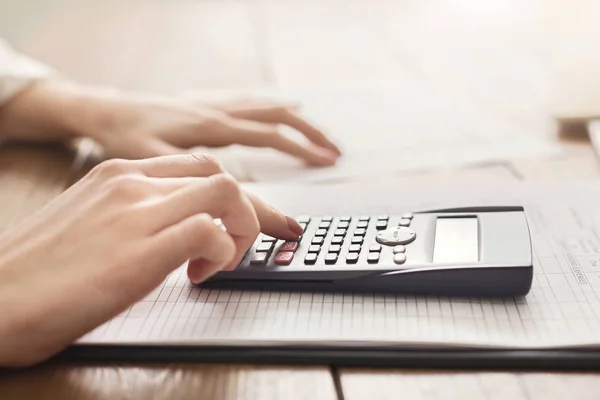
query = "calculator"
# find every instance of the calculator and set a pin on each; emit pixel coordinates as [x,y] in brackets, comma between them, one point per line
[469,251]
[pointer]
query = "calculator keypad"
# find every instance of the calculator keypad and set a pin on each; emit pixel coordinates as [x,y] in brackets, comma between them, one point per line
[333,243]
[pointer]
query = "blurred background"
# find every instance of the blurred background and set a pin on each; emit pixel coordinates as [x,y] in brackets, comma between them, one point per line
[521,61]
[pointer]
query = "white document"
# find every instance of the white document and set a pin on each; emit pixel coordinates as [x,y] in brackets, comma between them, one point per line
[383,131]
[562,309]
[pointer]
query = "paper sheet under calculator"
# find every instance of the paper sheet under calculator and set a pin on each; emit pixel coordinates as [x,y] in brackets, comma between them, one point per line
[562,309]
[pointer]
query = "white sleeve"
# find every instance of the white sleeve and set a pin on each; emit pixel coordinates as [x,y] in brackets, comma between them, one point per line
[17,71]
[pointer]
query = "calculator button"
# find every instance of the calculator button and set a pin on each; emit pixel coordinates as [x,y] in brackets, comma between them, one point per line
[327,218]
[331,258]
[354,248]
[343,225]
[383,218]
[364,218]
[399,249]
[321,232]
[259,258]
[400,258]
[381,225]
[345,219]
[394,236]
[337,240]
[335,248]
[289,246]
[360,232]
[314,248]
[352,258]
[324,225]
[317,240]
[284,258]
[266,238]
[375,248]
[340,232]
[357,240]
[362,224]
[373,258]
[407,215]
[266,247]
[303,226]
[310,258]
[303,219]
[404,222]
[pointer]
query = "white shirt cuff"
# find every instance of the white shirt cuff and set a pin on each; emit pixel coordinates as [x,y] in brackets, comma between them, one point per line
[18,71]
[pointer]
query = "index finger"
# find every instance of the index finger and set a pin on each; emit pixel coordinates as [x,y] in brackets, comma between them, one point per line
[277,114]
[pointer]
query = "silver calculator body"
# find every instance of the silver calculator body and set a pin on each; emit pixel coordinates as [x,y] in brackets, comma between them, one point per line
[479,251]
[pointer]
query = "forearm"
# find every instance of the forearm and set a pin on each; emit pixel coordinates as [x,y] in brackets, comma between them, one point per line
[48,110]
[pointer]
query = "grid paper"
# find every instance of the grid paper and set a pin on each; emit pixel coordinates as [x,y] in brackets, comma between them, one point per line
[562,309]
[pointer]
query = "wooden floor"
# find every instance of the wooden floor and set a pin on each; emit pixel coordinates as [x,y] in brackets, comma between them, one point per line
[531,62]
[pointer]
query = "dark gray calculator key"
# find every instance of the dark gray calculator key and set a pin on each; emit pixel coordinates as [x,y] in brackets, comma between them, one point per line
[381,225]
[324,225]
[362,224]
[310,258]
[360,232]
[343,225]
[345,219]
[335,248]
[339,232]
[337,240]
[303,219]
[375,248]
[364,218]
[331,258]
[404,222]
[259,258]
[357,240]
[321,232]
[373,258]
[383,218]
[354,248]
[317,240]
[265,247]
[352,258]
[266,238]
[327,218]
[314,248]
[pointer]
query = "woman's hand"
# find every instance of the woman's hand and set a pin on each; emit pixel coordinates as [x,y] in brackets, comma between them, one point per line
[135,126]
[111,238]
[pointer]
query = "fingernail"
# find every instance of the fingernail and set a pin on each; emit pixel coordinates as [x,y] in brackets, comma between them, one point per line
[294,226]
[328,156]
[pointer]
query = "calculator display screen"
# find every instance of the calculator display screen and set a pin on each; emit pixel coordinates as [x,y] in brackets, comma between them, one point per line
[456,240]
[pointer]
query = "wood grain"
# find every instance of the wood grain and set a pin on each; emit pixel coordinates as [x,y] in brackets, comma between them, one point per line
[150,46]
[167,382]
[30,176]
[462,385]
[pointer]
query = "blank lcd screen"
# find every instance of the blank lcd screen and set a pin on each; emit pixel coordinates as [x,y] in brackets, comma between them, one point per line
[456,240]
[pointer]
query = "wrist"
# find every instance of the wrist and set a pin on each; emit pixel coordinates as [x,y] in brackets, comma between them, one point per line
[53,110]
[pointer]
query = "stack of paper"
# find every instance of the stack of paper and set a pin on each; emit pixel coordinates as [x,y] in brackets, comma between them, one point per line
[384,131]
[562,309]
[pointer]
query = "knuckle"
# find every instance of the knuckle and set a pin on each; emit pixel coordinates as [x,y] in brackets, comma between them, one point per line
[111,168]
[226,186]
[214,119]
[207,161]
[128,187]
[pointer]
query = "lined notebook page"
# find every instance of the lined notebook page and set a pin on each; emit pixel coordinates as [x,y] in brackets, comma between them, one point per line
[562,309]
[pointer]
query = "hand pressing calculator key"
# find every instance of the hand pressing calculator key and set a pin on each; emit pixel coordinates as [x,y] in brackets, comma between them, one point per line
[481,251]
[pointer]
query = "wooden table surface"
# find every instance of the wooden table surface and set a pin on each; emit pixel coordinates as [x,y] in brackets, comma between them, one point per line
[528,61]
